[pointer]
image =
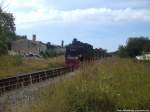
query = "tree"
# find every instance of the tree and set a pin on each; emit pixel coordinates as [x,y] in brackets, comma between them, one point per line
[7,30]
[135,46]
[122,51]
[6,22]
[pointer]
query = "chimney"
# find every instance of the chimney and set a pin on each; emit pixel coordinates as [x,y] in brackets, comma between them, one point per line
[34,37]
[62,43]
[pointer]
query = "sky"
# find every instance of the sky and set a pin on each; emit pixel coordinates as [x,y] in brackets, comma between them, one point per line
[102,23]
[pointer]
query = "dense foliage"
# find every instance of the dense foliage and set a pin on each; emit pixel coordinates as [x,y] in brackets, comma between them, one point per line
[7,30]
[135,46]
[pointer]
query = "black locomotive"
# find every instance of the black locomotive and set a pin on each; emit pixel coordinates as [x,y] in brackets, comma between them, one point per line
[78,52]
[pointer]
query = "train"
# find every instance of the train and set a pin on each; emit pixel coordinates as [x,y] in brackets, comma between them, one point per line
[77,52]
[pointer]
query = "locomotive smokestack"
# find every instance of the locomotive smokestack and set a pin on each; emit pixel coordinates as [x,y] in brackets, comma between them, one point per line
[74,40]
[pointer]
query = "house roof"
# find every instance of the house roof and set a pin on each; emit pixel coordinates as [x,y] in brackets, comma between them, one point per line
[34,42]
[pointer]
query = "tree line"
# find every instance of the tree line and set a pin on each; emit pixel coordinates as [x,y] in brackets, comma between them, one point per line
[135,46]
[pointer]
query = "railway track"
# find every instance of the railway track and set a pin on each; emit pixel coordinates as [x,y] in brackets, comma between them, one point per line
[20,81]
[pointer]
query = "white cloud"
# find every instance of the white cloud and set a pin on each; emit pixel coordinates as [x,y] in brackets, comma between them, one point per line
[20,4]
[42,13]
[91,15]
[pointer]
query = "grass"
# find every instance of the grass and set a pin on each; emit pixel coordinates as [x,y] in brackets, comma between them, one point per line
[103,86]
[12,65]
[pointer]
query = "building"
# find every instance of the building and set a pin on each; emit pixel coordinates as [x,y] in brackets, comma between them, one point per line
[145,56]
[27,47]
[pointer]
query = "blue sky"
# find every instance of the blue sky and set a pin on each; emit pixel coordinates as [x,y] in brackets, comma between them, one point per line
[103,23]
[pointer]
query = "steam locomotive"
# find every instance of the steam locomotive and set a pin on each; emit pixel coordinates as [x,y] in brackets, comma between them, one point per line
[78,52]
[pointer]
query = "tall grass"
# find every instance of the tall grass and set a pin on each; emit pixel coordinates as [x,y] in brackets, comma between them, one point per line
[12,65]
[103,86]
[7,61]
